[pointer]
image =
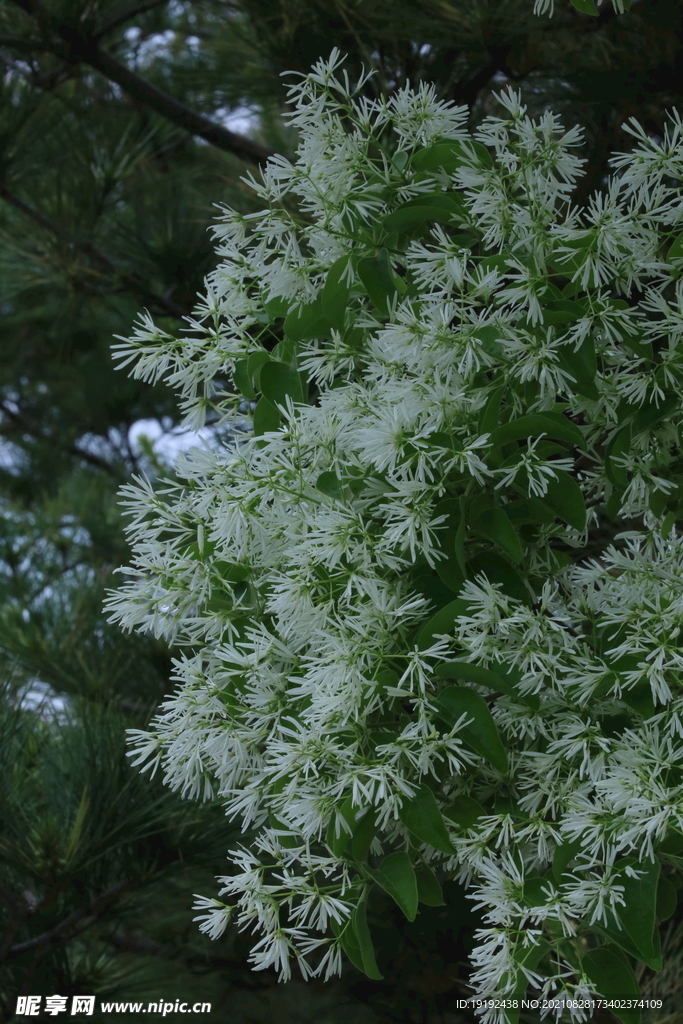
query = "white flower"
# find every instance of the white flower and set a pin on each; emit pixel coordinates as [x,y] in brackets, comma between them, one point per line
[296,569]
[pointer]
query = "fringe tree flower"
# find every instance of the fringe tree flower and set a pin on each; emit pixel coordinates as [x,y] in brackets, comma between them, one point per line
[430,608]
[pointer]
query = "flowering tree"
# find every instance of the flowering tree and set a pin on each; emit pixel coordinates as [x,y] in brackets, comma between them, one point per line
[431,603]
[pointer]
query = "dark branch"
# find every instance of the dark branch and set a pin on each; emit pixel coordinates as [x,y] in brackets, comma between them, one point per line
[468,88]
[121,19]
[73,450]
[146,947]
[19,907]
[164,305]
[81,919]
[172,109]
[27,45]
[76,48]
[28,6]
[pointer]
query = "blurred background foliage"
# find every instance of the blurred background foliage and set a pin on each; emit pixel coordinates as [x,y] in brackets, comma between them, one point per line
[122,124]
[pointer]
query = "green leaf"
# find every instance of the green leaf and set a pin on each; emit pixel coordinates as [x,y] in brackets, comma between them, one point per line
[279,382]
[640,345]
[378,279]
[473,152]
[306,321]
[672,842]
[338,837]
[423,210]
[531,956]
[675,252]
[582,366]
[489,414]
[442,621]
[494,524]
[255,362]
[638,918]
[448,156]
[422,817]
[465,812]
[667,899]
[563,311]
[563,857]
[336,292]
[289,842]
[242,381]
[529,510]
[480,733]
[565,498]
[231,572]
[354,938]
[277,307]
[396,876]
[364,832]
[613,978]
[285,350]
[639,699]
[575,253]
[266,417]
[535,424]
[450,569]
[367,952]
[498,570]
[428,888]
[459,543]
[439,156]
[618,446]
[483,677]
[329,483]
[350,944]
[652,414]
[536,891]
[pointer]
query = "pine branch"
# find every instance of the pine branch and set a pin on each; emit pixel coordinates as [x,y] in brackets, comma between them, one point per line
[166,306]
[25,45]
[19,907]
[121,19]
[73,450]
[79,921]
[77,48]
[173,110]
[146,947]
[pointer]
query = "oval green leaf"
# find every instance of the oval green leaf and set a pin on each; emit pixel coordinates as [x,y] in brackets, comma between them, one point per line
[396,876]
[494,524]
[279,382]
[422,817]
[612,976]
[428,887]
[336,292]
[565,498]
[480,733]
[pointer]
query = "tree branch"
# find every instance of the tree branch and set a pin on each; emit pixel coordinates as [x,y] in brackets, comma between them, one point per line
[142,946]
[27,6]
[62,931]
[166,306]
[77,48]
[170,108]
[468,88]
[73,449]
[27,45]
[121,19]
[19,907]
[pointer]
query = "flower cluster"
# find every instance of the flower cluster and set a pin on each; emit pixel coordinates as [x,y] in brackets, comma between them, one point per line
[431,607]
